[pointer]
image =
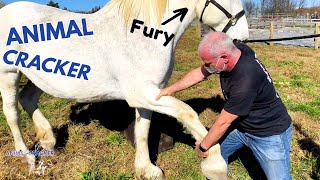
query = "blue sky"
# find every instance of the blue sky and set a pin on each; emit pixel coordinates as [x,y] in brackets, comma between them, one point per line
[86,5]
[83,5]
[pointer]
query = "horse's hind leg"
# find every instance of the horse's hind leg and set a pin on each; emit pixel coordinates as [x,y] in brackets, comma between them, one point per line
[28,98]
[9,92]
[143,165]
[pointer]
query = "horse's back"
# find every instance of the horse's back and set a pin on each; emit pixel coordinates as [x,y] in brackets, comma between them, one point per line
[113,58]
[20,14]
[23,13]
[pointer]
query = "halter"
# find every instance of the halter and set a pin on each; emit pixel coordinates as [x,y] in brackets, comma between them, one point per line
[232,19]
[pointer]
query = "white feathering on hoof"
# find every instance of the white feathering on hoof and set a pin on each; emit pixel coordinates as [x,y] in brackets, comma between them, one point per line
[214,167]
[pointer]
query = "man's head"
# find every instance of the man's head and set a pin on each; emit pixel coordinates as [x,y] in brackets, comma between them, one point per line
[217,51]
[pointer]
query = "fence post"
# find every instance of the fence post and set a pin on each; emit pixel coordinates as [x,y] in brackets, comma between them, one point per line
[316,40]
[271,32]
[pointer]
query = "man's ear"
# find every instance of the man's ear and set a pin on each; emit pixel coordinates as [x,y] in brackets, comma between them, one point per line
[224,58]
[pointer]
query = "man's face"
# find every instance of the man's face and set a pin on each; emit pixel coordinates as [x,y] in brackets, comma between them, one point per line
[214,64]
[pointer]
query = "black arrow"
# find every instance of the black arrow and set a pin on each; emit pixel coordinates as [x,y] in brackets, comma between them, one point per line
[179,12]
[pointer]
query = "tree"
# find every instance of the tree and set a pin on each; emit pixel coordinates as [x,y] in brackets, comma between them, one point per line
[52,4]
[2,4]
[250,7]
[278,6]
[300,4]
[95,9]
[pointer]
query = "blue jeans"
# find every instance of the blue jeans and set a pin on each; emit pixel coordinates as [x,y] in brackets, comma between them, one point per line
[272,152]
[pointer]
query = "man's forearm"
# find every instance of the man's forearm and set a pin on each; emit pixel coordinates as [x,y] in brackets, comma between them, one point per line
[188,80]
[218,129]
[214,134]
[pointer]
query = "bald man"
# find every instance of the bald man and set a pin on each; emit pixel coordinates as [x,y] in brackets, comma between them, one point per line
[258,117]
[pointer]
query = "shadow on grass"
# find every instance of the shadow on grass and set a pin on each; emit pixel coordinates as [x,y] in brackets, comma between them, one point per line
[249,162]
[164,130]
[308,144]
[62,136]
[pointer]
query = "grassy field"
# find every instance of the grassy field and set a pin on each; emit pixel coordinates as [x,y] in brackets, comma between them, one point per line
[90,145]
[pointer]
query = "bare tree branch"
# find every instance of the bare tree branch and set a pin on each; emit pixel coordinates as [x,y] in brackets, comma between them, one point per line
[250,7]
[2,4]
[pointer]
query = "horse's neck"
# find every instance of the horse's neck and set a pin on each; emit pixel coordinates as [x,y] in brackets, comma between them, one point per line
[175,26]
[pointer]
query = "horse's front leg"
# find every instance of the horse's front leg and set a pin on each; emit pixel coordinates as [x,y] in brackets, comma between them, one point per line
[214,166]
[143,165]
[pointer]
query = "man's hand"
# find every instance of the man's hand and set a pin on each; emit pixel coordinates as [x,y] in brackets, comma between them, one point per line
[202,154]
[164,92]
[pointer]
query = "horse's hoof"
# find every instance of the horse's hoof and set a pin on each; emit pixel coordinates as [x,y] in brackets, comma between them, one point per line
[31,160]
[214,170]
[150,172]
[47,141]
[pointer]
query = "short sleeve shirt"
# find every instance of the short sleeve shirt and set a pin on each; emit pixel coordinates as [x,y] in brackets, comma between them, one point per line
[250,94]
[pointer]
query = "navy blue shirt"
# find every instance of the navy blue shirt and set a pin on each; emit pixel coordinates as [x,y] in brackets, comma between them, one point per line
[250,94]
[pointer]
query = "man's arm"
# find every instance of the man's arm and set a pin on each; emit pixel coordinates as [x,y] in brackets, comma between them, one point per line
[216,131]
[195,76]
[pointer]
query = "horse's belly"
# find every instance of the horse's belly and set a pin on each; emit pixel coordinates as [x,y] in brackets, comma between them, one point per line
[99,87]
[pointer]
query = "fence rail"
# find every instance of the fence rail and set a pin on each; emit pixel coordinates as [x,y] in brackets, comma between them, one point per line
[272,24]
[262,23]
[266,23]
[316,40]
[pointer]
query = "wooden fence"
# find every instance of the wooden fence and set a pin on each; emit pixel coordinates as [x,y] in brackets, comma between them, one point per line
[260,23]
[316,40]
[263,23]
[271,25]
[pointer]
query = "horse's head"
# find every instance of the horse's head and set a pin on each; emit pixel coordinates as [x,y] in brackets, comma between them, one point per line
[224,15]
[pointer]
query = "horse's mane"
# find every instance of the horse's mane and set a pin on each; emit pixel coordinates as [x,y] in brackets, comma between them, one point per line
[153,10]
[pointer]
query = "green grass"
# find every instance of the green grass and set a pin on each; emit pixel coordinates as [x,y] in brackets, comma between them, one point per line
[311,108]
[302,168]
[90,175]
[184,159]
[115,138]
[124,176]
[294,64]
[58,103]
[300,80]
[179,67]
[303,84]
[3,123]
[93,175]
